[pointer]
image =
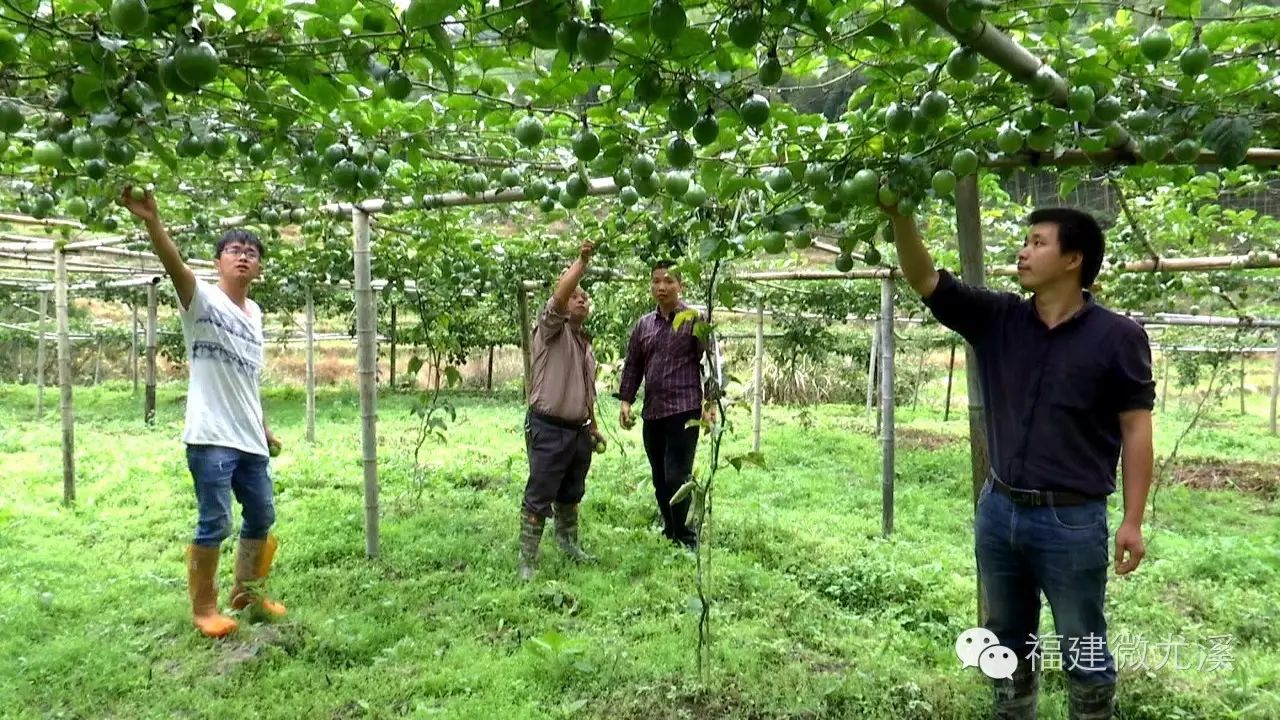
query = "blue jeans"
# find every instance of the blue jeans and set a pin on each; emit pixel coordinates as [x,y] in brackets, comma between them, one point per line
[219,472]
[1023,551]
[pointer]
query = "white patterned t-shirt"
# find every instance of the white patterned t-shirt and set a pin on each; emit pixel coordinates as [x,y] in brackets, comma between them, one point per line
[224,347]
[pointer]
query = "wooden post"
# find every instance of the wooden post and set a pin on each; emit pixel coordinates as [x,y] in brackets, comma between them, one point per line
[64,380]
[97,361]
[871,366]
[367,372]
[522,301]
[488,383]
[886,406]
[133,347]
[757,395]
[391,383]
[1242,357]
[41,352]
[149,401]
[951,371]
[1275,385]
[969,230]
[310,323]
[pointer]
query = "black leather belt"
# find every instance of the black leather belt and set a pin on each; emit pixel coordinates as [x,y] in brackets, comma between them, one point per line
[559,422]
[1040,498]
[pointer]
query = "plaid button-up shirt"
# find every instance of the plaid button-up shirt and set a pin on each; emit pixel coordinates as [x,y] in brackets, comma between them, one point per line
[669,363]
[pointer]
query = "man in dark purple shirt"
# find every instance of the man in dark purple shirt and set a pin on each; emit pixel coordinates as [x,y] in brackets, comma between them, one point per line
[1068,392]
[668,361]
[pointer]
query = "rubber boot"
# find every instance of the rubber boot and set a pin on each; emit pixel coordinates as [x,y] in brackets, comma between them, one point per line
[202,573]
[253,564]
[531,527]
[1090,702]
[1017,697]
[567,533]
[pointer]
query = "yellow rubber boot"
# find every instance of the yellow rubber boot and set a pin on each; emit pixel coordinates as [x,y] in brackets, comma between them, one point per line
[253,564]
[202,573]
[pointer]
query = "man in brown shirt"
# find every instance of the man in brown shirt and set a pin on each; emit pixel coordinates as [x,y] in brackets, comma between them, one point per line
[560,427]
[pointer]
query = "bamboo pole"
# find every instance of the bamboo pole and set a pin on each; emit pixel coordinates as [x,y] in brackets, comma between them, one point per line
[919,378]
[871,366]
[133,347]
[45,222]
[757,394]
[522,301]
[310,323]
[1275,385]
[97,361]
[149,399]
[1164,390]
[391,383]
[366,329]
[951,371]
[1242,384]
[997,47]
[1260,157]
[41,354]
[375,206]
[886,407]
[1005,52]
[1171,319]
[969,232]
[64,383]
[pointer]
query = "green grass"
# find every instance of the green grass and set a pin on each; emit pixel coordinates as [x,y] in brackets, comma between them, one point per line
[814,615]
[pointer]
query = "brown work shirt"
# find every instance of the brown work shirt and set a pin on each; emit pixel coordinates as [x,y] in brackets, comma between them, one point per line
[564,369]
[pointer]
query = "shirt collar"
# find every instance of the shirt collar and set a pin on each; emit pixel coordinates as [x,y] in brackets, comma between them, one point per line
[1088,306]
[680,307]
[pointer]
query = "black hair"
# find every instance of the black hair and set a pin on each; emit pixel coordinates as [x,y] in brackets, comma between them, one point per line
[1078,231]
[243,237]
[669,266]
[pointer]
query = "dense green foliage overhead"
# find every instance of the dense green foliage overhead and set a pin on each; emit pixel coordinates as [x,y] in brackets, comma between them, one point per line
[736,128]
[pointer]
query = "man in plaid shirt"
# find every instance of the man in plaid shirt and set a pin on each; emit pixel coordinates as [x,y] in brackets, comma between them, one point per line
[668,361]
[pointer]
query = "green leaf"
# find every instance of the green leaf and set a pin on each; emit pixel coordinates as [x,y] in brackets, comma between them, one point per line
[334,8]
[1067,184]
[711,246]
[87,91]
[727,291]
[683,317]
[1182,8]
[429,12]
[881,30]
[453,378]
[627,10]
[684,492]
[415,364]
[443,60]
[1229,138]
[751,458]
[320,90]
[163,152]
[731,185]
[692,43]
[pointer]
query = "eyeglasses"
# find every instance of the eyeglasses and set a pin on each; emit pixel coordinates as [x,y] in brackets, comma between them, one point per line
[247,253]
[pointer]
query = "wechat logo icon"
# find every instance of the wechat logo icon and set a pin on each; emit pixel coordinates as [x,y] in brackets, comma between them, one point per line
[979,647]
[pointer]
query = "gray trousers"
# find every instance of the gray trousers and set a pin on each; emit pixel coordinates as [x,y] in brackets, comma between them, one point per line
[559,458]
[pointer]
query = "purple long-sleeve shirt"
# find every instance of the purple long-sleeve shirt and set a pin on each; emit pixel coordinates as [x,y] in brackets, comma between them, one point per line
[668,361]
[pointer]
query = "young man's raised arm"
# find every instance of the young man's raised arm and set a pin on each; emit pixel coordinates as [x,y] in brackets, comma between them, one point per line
[184,280]
[915,260]
[965,309]
[571,277]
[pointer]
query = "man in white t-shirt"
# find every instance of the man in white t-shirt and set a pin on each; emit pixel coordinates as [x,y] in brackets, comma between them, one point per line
[228,443]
